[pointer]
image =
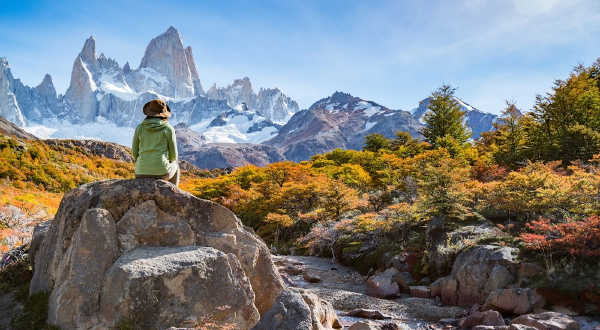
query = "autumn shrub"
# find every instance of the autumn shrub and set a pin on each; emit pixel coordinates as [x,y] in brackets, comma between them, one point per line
[54,169]
[539,190]
[579,238]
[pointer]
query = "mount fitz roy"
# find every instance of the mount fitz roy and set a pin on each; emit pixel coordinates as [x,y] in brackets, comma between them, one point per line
[219,127]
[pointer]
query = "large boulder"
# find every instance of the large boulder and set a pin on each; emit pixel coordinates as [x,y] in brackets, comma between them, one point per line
[298,309]
[475,273]
[383,285]
[514,300]
[95,253]
[157,287]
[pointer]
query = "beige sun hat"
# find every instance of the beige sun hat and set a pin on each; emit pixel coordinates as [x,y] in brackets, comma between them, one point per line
[157,108]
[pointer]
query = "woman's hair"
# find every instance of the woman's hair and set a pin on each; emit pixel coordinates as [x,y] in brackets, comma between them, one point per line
[163,118]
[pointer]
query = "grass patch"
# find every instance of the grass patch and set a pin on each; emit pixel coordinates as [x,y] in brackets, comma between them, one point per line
[16,278]
[34,315]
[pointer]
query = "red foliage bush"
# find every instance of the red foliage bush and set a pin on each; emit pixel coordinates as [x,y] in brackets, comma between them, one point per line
[576,238]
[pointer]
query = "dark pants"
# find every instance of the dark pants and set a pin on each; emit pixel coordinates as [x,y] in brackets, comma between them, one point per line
[171,177]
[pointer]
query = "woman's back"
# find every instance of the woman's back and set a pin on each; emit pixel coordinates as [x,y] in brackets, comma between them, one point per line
[154,147]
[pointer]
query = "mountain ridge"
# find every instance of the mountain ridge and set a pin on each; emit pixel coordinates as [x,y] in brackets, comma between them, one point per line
[103,101]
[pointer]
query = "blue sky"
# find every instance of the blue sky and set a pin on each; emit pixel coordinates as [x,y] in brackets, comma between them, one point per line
[391,52]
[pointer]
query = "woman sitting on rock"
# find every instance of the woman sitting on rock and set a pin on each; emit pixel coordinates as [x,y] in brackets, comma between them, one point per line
[155,146]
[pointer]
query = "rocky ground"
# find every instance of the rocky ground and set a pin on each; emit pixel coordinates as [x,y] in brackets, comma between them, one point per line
[345,289]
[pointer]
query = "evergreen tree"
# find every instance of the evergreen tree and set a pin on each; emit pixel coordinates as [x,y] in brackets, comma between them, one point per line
[444,118]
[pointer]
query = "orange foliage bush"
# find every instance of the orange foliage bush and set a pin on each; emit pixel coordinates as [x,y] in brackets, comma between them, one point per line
[576,238]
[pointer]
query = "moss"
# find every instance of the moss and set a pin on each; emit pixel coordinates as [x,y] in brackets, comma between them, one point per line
[34,314]
[352,247]
[127,324]
[15,278]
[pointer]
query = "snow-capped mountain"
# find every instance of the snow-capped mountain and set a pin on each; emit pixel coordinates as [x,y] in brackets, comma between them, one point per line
[270,103]
[194,148]
[477,120]
[235,124]
[339,121]
[104,100]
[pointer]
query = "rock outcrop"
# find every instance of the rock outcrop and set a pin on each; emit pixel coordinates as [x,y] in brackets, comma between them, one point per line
[94,148]
[10,129]
[143,252]
[475,274]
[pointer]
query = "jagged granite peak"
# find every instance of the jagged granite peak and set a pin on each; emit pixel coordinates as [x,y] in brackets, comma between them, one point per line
[9,106]
[80,95]
[166,55]
[46,87]
[194,71]
[272,103]
[478,121]
[126,68]
[88,52]
[213,92]
[107,63]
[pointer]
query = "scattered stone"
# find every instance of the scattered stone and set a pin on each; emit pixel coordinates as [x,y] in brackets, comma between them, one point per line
[368,314]
[428,309]
[420,291]
[292,311]
[383,285]
[292,270]
[404,280]
[487,318]
[547,321]
[310,276]
[363,326]
[514,301]
[451,322]
[390,326]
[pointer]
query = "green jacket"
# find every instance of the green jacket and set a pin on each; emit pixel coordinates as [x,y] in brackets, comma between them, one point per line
[154,147]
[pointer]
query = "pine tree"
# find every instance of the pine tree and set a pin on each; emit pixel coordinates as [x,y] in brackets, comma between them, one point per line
[444,118]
